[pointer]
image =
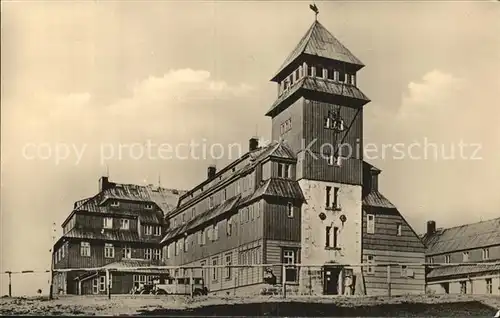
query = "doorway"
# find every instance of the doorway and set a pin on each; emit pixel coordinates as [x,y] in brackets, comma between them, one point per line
[331,280]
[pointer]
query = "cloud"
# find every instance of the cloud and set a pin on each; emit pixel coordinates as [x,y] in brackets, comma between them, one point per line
[439,111]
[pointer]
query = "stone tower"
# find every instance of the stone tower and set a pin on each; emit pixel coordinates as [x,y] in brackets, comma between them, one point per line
[319,113]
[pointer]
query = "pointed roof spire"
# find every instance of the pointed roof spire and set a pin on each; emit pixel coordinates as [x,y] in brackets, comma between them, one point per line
[318,41]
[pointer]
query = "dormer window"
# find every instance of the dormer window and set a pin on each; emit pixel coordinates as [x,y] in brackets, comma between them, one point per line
[297,74]
[108,223]
[284,170]
[310,70]
[115,203]
[149,206]
[353,80]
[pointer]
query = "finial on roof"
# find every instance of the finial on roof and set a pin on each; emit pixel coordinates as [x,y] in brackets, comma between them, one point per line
[315,9]
[159,180]
[107,170]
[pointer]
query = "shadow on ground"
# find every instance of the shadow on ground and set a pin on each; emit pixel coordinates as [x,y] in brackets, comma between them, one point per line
[302,309]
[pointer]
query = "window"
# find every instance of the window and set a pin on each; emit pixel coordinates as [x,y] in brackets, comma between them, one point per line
[174,223]
[489,286]
[186,244]
[370,269]
[297,73]
[149,206]
[430,260]
[157,231]
[465,256]
[147,253]
[486,254]
[124,224]
[331,74]
[328,232]
[463,287]
[115,203]
[310,70]
[353,79]
[291,272]
[139,279]
[227,273]
[370,224]
[108,223]
[229,226]
[319,71]
[341,76]
[169,246]
[338,124]
[210,202]
[193,212]
[335,236]
[109,251]
[203,237]
[214,269]
[336,204]
[95,286]
[127,252]
[148,230]
[102,283]
[224,194]
[157,253]
[183,218]
[215,232]
[447,259]
[85,249]
[398,229]
[334,160]
[289,209]
[404,269]
[176,248]
[328,190]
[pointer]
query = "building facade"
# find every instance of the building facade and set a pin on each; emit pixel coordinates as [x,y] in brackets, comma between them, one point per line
[308,197]
[474,243]
[120,227]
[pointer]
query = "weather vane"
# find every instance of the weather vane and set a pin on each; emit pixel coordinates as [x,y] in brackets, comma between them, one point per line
[315,9]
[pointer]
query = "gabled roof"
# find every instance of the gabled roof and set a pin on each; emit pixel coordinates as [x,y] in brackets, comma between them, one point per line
[165,199]
[377,200]
[320,42]
[318,85]
[468,236]
[282,188]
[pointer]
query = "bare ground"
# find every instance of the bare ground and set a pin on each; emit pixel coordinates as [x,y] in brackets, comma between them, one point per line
[409,306]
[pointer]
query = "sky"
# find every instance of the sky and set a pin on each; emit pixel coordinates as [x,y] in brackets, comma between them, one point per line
[83,84]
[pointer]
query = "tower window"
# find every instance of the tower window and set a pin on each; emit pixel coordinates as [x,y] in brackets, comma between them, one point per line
[336,204]
[319,71]
[330,74]
[310,70]
[328,190]
[399,229]
[297,74]
[341,76]
[353,79]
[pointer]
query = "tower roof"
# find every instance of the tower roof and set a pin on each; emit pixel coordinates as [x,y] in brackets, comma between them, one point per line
[318,41]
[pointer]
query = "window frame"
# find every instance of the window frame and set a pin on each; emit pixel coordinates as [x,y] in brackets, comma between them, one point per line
[370,224]
[109,247]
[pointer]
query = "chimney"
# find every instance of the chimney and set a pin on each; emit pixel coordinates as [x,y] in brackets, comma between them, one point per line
[104,184]
[374,172]
[253,143]
[211,171]
[431,227]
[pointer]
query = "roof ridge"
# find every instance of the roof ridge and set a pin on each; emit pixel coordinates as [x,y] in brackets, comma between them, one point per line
[469,224]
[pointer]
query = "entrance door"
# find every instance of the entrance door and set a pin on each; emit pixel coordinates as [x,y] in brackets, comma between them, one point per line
[331,280]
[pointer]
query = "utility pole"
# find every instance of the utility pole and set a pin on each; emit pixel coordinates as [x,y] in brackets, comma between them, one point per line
[10,282]
[51,279]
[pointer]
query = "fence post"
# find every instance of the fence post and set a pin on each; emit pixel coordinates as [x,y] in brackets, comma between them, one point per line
[191,283]
[283,278]
[108,283]
[389,280]
[10,284]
